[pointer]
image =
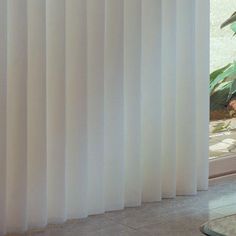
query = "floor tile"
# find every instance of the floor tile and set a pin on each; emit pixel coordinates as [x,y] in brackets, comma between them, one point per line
[180,216]
[227,210]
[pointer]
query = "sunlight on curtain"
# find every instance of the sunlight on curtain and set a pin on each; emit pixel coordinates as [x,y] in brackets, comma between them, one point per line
[104,104]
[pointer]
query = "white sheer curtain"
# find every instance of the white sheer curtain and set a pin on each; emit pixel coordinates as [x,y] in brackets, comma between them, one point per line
[103,104]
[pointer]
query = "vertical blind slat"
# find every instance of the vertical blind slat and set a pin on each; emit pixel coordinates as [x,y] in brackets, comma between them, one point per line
[151,99]
[202,34]
[132,101]
[36,115]
[114,106]
[95,96]
[186,98]
[55,32]
[168,90]
[16,115]
[3,120]
[76,110]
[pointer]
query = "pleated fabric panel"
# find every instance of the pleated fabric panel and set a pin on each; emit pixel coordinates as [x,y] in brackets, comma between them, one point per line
[95,104]
[104,105]
[36,115]
[3,115]
[202,33]
[16,112]
[132,101]
[168,73]
[76,110]
[185,112]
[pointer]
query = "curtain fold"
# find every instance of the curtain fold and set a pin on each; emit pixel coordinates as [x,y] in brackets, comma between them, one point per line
[95,105]
[36,115]
[151,100]
[168,73]
[114,106]
[103,105]
[3,130]
[186,81]
[132,101]
[202,34]
[16,111]
[76,110]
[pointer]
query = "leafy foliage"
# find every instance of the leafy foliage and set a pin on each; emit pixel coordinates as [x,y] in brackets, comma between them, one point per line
[223,80]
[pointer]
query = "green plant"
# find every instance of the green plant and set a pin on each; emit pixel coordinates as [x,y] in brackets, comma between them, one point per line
[231,20]
[223,80]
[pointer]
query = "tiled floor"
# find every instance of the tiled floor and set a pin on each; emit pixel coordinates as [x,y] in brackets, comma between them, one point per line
[173,217]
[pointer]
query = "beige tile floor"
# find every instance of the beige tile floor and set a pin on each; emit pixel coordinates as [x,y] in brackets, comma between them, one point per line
[222,143]
[171,217]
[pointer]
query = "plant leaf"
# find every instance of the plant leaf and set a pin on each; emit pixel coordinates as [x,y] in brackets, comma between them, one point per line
[230,71]
[215,73]
[233,27]
[230,20]
[232,90]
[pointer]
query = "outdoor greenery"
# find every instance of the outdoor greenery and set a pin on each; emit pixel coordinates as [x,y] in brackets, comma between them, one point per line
[223,84]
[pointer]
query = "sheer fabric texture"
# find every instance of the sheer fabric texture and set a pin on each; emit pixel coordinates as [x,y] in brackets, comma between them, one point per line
[103,105]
